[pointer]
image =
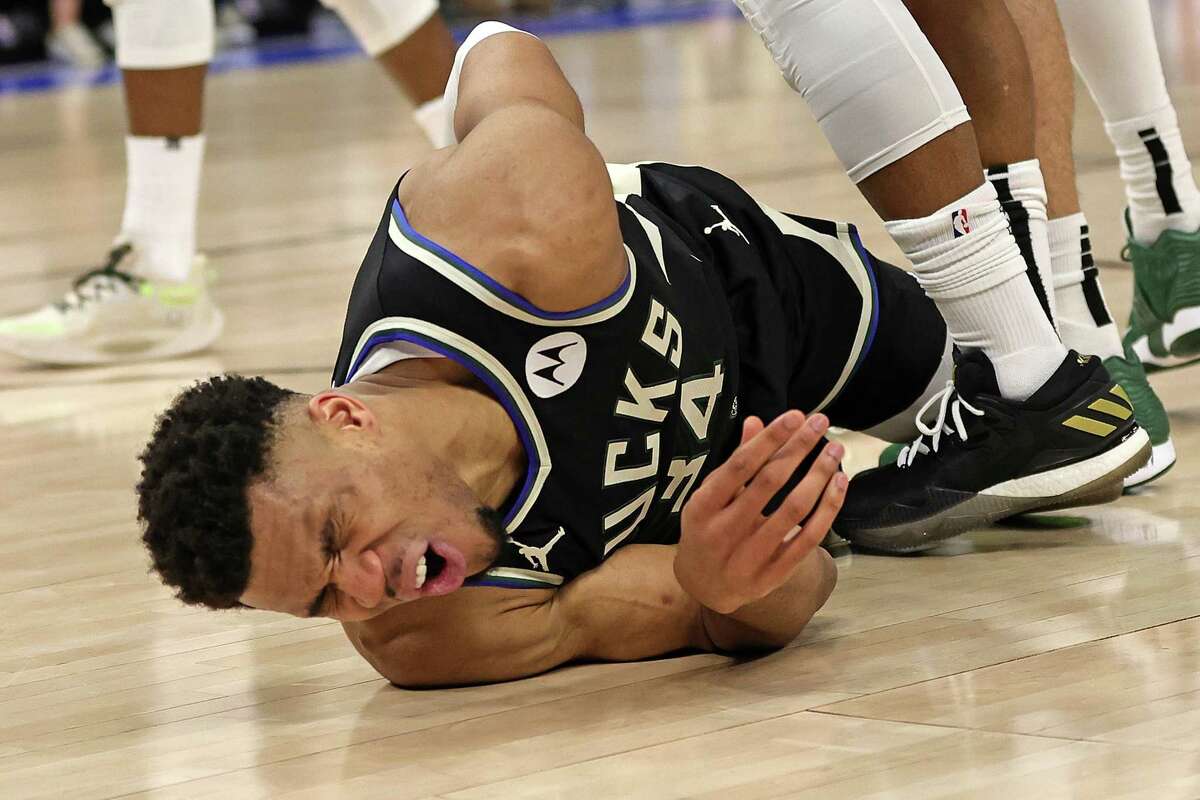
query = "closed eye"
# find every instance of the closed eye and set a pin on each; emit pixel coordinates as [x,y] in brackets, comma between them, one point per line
[329,549]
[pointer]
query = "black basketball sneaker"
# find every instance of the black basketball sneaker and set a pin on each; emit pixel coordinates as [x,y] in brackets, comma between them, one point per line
[985,458]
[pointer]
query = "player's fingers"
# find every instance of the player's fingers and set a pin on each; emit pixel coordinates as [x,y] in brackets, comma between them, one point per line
[802,500]
[779,469]
[724,483]
[755,552]
[801,541]
[751,428]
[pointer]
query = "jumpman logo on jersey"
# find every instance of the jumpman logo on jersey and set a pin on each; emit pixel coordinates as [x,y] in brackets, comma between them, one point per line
[724,225]
[539,557]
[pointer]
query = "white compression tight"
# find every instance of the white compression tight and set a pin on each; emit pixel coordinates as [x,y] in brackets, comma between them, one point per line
[381,24]
[878,89]
[165,34]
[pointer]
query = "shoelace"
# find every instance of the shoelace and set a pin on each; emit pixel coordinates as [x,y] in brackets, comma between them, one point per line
[951,402]
[94,285]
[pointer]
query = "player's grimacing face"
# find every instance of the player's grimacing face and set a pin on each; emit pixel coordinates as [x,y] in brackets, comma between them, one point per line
[343,538]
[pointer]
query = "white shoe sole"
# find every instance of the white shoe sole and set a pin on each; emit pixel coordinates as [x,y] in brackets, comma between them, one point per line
[1099,479]
[1055,483]
[118,350]
[1162,458]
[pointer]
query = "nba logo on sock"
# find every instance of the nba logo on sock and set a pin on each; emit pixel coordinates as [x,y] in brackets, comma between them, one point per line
[961,223]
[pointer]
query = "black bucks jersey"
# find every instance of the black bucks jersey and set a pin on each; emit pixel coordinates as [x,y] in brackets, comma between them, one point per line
[624,406]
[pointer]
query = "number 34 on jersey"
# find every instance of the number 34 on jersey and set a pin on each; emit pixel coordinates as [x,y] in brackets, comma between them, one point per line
[651,403]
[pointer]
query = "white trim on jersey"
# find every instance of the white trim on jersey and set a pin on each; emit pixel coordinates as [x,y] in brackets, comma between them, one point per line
[843,250]
[384,355]
[653,234]
[626,179]
[492,300]
[496,370]
[513,573]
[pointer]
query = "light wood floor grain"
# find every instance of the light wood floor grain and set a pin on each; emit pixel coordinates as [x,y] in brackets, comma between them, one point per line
[1055,658]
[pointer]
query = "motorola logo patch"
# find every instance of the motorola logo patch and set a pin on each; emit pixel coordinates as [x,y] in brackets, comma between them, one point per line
[555,363]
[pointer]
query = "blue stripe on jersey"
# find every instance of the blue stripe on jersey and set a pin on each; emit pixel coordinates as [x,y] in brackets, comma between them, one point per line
[491,284]
[869,268]
[497,582]
[481,372]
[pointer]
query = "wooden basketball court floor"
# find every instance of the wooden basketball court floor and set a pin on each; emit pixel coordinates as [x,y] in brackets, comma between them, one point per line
[1057,657]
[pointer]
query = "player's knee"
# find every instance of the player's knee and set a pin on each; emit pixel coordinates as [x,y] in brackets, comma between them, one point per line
[899,95]
[163,34]
[382,24]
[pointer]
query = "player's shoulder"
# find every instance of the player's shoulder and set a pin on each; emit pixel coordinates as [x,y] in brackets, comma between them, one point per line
[527,199]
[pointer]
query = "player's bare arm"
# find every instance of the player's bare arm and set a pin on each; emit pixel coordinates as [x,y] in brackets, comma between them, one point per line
[738,581]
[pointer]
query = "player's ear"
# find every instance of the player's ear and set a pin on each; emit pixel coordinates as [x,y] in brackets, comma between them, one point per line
[343,411]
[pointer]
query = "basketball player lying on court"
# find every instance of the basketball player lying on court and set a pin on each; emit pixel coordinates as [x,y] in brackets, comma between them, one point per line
[560,427]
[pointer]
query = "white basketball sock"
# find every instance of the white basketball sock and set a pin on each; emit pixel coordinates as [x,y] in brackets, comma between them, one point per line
[161,194]
[1022,192]
[431,118]
[1159,185]
[1084,322]
[1113,47]
[968,263]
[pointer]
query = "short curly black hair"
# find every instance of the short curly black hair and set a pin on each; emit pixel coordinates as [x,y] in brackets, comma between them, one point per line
[213,440]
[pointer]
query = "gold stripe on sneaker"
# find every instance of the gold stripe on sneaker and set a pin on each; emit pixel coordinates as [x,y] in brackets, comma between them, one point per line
[1119,391]
[1112,409]
[1089,425]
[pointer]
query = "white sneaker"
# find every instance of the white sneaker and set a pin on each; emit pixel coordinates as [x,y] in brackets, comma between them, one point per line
[111,315]
[72,44]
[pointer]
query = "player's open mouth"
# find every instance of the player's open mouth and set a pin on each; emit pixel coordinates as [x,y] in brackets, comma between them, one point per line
[440,570]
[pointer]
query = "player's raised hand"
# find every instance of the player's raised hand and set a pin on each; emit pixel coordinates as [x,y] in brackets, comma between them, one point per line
[730,552]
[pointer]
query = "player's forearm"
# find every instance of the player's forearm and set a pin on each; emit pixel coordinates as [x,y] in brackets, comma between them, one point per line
[508,69]
[633,608]
[779,617]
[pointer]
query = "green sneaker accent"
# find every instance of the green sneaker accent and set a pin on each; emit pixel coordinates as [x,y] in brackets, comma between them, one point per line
[32,325]
[835,545]
[1148,409]
[1155,357]
[1166,280]
[182,295]
[890,454]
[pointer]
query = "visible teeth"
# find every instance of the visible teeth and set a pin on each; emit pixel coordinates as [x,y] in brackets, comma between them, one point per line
[421,569]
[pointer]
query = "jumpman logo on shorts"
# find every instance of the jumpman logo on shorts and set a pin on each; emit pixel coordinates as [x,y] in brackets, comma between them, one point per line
[724,225]
[539,557]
